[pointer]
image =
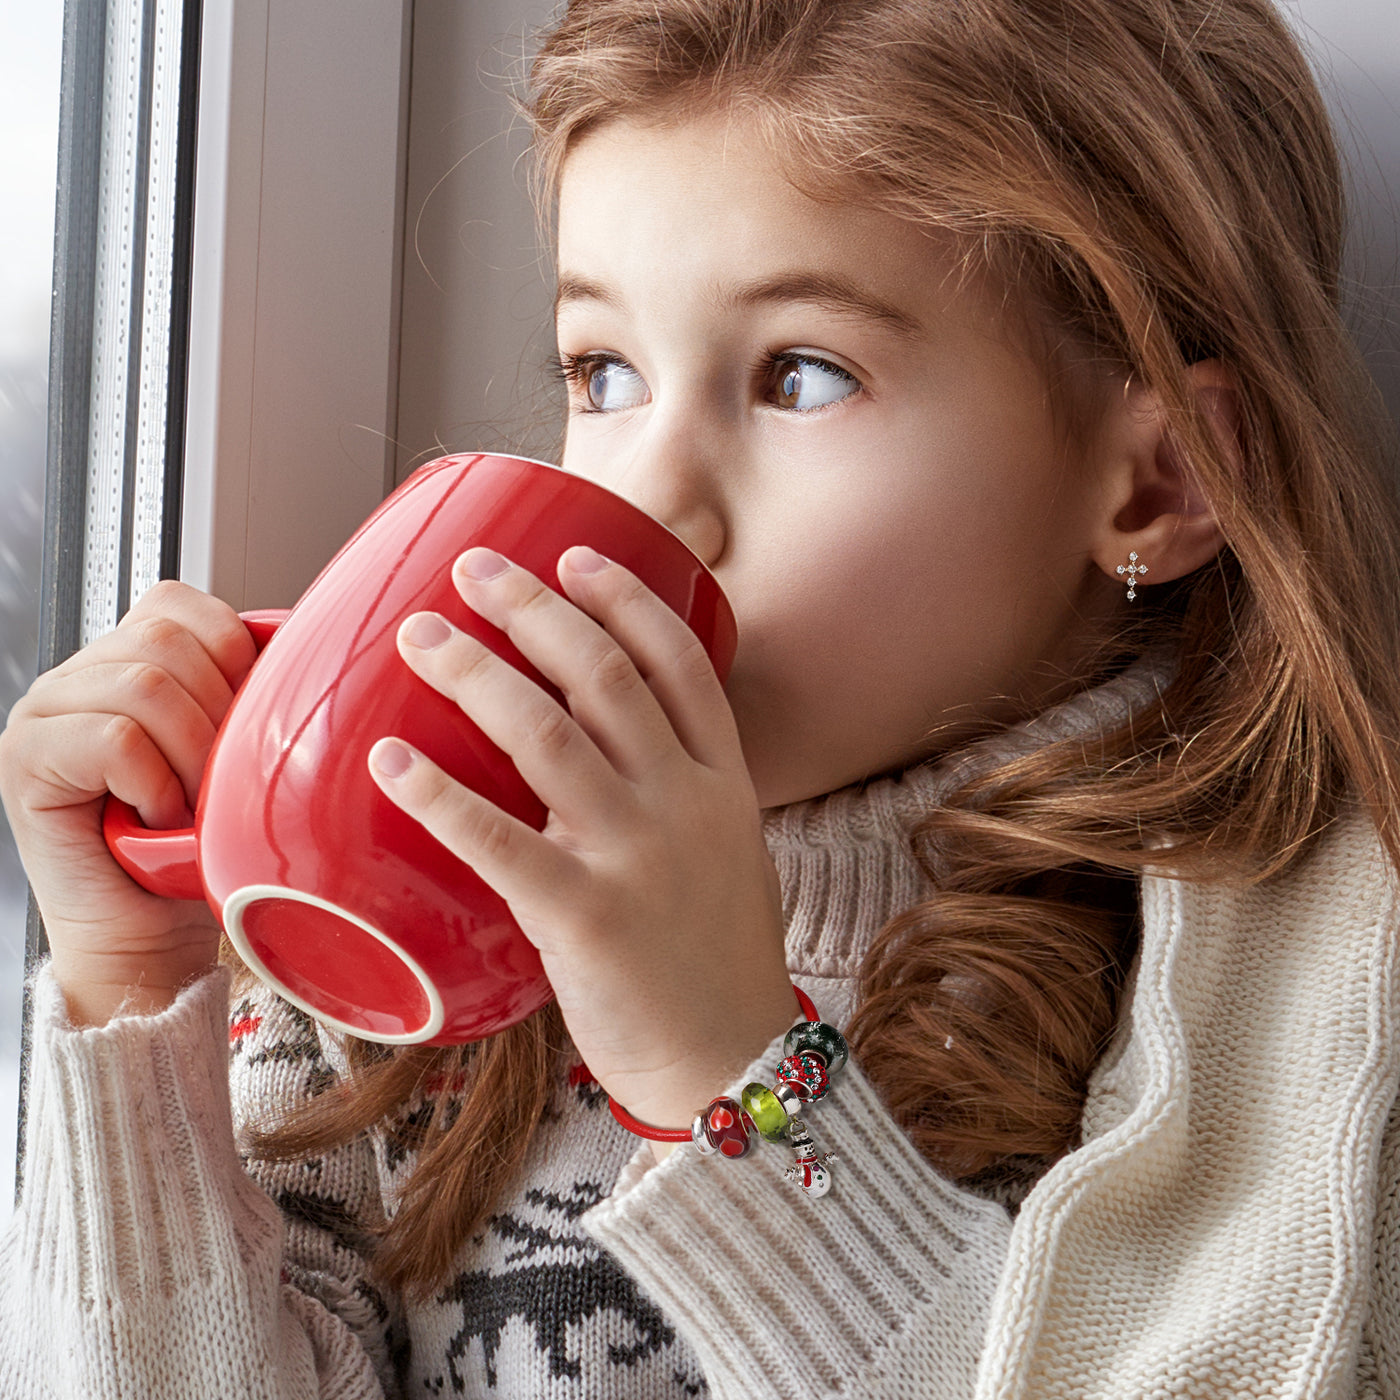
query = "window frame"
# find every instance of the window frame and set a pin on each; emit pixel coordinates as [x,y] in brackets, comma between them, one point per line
[241,450]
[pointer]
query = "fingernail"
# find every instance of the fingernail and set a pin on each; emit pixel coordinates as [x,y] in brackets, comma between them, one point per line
[585,560]
[391,758]
[482,563]
[426,631]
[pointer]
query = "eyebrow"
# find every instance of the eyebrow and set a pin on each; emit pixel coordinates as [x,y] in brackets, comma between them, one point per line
[824,290]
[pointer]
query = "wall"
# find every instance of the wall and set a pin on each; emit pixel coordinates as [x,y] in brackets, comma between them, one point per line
[476,330]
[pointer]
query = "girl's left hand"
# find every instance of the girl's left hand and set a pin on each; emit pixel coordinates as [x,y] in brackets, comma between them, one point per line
[650,894]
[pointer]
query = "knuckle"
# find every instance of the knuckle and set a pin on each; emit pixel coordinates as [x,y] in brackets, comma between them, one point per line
[477,665]
[433,797]
[175,614]
[19,714]
[493,839]
[143,680]
[537,597]
[228,635]
[158,634]
[613,673]
[161,595]
[630,589]
[552,732]
[224,632]
[480,832]
[123,738]
[693,662]
[428,797]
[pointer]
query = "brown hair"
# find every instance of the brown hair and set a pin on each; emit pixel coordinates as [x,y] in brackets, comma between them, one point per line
[1158,179]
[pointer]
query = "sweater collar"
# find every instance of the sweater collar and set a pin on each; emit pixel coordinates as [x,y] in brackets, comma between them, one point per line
[845,860]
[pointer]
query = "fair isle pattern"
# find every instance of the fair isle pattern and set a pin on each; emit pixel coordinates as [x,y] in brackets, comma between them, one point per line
[535,1307]
[538,1305]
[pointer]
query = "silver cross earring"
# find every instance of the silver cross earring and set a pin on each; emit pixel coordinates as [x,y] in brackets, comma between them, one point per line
[1132,568]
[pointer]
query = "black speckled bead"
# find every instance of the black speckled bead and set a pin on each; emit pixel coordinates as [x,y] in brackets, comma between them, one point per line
[826,1040]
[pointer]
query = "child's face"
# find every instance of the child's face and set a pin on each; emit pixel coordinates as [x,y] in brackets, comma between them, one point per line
[853,445]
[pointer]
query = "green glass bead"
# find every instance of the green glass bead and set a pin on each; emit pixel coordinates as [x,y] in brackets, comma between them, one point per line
[766,1110]
[826,1040]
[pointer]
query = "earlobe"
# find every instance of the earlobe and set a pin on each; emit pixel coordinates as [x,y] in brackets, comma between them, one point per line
[1155,508]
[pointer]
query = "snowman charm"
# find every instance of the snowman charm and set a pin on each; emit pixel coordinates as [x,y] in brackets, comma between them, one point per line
[809,1171]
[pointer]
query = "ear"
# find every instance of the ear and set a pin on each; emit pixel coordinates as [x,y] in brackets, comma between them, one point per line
[1152,507]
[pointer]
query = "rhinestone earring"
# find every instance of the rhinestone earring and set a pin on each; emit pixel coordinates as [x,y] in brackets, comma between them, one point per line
[1132,568]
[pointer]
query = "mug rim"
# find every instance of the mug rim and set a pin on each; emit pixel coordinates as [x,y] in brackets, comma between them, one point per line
[231,916]
[454,457]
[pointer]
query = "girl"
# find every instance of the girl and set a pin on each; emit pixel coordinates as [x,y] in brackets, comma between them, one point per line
[988,352]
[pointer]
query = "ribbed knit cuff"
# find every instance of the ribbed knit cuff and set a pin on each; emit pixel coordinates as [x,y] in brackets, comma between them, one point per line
[892,1272]
[133,1187]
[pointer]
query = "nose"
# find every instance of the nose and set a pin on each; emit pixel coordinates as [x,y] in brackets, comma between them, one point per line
[672,472]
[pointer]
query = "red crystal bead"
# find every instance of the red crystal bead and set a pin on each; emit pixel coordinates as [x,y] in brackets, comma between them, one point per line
[806,1072]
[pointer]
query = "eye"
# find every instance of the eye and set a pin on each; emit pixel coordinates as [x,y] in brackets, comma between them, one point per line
[606,383]
[806,382]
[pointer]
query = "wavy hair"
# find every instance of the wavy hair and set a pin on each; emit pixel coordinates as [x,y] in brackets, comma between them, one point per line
[1154,182]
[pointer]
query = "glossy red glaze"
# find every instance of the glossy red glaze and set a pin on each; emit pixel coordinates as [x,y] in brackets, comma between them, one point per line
[326,888]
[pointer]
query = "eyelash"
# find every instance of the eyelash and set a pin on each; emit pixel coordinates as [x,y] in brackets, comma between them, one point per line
[574,371]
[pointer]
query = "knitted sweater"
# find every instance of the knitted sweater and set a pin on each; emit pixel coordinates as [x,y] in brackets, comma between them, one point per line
[1229,1226]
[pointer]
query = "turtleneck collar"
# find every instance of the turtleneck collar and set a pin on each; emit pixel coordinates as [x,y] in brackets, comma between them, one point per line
[845,860]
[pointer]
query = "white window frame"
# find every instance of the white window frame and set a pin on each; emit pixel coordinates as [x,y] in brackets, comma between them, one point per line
[298,235]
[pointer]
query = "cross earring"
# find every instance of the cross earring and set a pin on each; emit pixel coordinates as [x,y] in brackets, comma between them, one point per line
[1132,568]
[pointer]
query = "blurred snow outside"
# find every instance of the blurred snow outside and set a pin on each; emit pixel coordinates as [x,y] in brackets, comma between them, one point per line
[30,47]
[23,418]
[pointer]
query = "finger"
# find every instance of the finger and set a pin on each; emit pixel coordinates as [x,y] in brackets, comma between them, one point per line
[561,763]
[155,641]
[174,616]
[606,693]
[521,865]
[212,623]
[65,760]
[667,653]
[614,695]
[147,695]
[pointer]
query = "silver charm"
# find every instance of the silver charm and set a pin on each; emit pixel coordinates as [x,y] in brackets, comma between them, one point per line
[809,1171]
[1132,568]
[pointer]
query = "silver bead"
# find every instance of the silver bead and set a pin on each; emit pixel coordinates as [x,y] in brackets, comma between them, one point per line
[790,1099]
[703,1145]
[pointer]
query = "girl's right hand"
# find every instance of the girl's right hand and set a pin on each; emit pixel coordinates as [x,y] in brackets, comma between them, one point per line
[134,714]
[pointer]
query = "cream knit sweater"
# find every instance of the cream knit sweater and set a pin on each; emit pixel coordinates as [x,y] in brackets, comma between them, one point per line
[1230,1225]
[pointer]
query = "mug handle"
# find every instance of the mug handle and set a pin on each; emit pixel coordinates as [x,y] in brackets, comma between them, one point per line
[165,862]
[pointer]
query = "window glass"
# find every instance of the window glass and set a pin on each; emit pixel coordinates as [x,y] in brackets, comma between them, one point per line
[30,47]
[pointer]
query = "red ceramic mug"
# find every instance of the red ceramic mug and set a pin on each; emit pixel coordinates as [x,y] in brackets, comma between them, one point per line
[337,899]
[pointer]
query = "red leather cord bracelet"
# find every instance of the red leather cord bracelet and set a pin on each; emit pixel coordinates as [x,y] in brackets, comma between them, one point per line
[813,1051]
[635,1125]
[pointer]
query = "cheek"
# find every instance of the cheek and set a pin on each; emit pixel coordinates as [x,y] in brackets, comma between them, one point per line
[581,455]
[948,563]
[989,503]
[817,620]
